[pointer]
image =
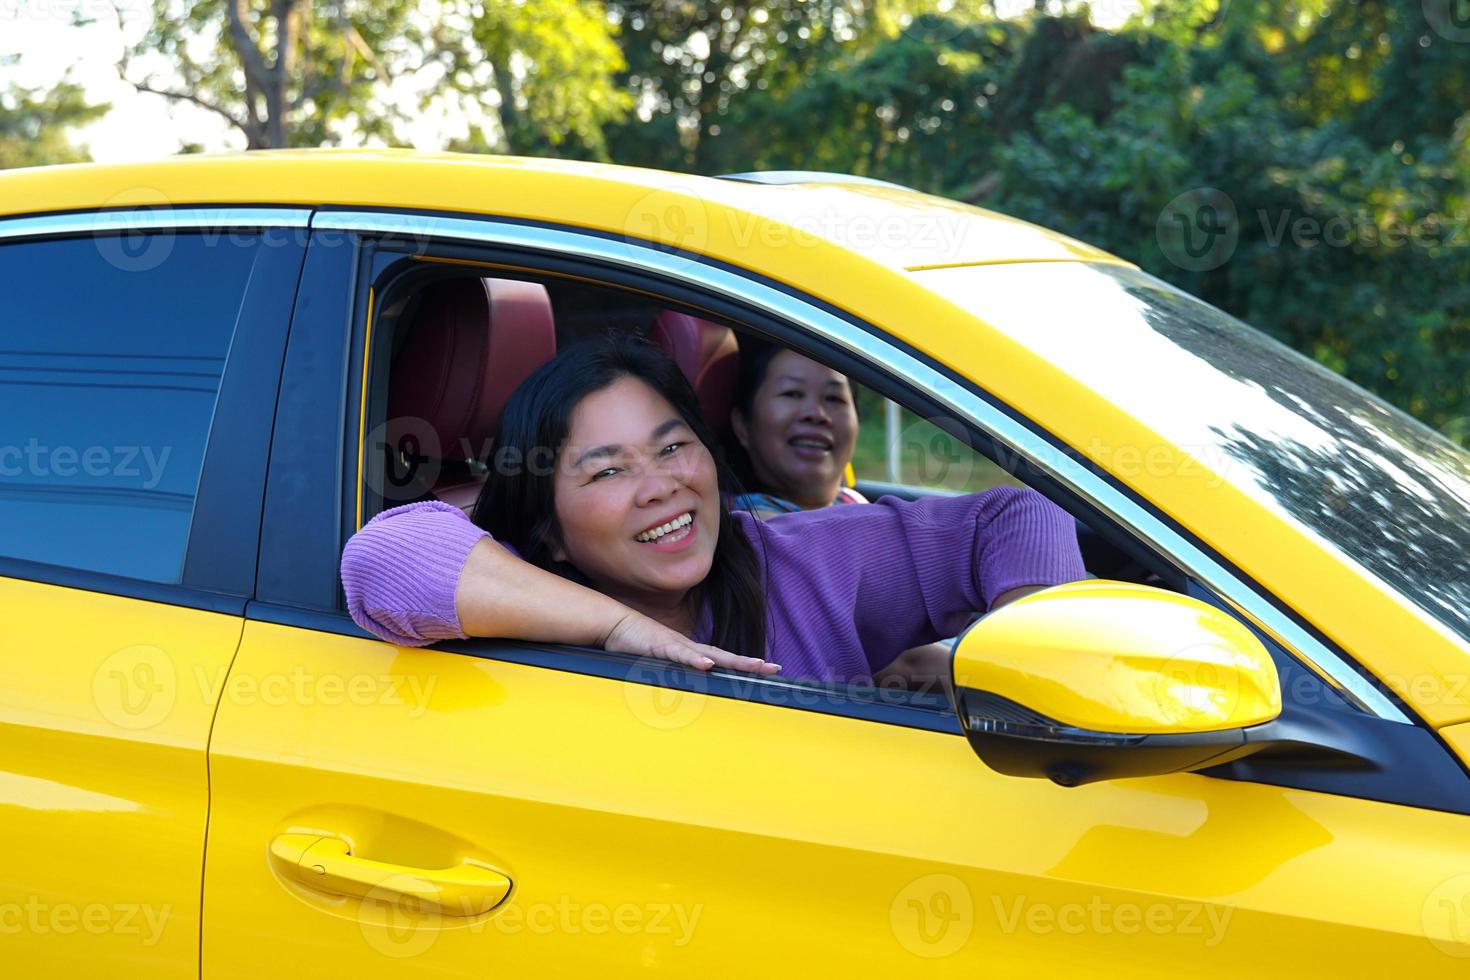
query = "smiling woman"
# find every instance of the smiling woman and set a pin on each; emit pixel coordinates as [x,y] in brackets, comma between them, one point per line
[625,542]
[631,458]
[796,424]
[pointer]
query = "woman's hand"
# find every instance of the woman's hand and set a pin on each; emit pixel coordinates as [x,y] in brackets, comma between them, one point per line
[644,636]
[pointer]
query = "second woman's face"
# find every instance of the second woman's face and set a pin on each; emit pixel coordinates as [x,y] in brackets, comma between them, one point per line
[636,495]
[801,430]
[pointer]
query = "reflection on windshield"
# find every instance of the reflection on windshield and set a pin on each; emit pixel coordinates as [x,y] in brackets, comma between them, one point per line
[1384,489]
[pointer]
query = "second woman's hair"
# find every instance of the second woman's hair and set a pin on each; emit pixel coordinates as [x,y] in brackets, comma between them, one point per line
[516,503]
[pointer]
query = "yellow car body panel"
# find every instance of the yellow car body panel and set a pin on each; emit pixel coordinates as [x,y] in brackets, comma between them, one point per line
[881,253]
[105,712]
[651,832]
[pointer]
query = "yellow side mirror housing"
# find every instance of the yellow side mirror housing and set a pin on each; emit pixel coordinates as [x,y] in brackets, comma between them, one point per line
[1098,680]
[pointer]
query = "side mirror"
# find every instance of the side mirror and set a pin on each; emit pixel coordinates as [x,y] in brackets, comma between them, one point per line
[1102,680]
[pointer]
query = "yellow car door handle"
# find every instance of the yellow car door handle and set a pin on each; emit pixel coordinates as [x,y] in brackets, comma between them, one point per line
[327,864]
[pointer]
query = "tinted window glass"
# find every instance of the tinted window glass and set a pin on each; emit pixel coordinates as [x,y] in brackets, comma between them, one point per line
[111,352]
[1381,488]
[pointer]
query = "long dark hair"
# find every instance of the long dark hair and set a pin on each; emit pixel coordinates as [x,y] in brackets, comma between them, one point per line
[755,361]
[516,506]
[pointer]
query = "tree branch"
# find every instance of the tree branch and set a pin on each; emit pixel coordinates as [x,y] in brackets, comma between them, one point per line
[279,75]
[250,136]
[244,45]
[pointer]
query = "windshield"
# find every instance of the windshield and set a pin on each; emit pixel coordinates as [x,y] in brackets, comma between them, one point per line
[1383,489]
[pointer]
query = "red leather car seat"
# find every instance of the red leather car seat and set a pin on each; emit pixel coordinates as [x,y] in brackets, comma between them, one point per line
[709,356]
[472,342]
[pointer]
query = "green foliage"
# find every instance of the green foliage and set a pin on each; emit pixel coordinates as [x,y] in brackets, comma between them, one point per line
[1331,135]
[34,124]
[1335,129]
[1352,249]
[529,77]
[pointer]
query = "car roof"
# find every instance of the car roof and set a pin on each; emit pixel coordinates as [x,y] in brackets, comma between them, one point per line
[896,227]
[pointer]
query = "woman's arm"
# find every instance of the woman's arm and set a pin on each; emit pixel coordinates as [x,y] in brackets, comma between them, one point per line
[898,574]
[500,595]
[424,572]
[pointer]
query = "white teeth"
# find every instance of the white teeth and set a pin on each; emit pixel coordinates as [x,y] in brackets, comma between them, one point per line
[683,520]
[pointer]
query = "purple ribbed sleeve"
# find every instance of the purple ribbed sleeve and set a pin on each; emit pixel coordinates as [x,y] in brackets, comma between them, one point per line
[850,588]
[401,569]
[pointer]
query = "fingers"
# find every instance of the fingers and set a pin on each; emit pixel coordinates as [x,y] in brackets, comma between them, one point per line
[702,657]
[730,661]
[688,654]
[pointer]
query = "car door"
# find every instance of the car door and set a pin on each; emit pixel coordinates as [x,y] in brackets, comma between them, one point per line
[590,812]
[138,360]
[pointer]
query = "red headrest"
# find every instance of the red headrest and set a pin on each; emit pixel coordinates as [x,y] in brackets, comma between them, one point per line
[472,343]
[708,355]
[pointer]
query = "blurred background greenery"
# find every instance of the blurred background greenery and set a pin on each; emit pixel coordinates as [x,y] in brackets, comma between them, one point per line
[1302,165]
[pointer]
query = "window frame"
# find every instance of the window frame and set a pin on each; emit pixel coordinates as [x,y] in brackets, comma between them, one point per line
[218,563]
[878,360]
[872,358]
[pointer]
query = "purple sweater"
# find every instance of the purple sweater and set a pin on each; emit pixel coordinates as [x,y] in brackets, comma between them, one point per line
[847,588]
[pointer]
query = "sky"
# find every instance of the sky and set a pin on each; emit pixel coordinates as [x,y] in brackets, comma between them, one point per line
[142,127]
[138,127]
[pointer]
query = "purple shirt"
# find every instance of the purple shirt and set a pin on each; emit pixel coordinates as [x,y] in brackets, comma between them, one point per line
[847,588]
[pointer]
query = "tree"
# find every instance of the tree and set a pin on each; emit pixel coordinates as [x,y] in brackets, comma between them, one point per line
[1333,128]
[314,72]
[35,124]
[692,63]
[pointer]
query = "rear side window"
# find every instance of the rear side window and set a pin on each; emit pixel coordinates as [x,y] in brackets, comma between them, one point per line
[111,354]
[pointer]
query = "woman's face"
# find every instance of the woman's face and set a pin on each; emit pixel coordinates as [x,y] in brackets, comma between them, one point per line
[631,467]
[801,430]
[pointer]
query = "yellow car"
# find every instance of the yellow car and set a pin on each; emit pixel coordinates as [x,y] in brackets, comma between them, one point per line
[1241,752]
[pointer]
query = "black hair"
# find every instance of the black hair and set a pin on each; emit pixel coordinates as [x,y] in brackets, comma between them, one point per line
[755,360]
[516,506]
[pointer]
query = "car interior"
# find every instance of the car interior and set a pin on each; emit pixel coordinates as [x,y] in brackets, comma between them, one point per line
[461,342]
